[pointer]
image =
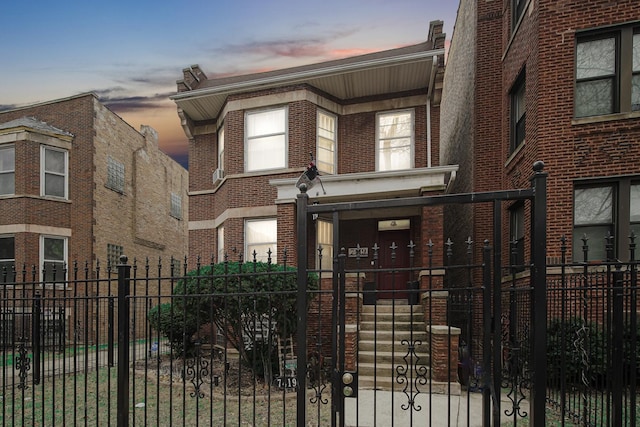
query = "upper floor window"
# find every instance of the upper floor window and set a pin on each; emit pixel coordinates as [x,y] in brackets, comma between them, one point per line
[517,9]
[326,152]
[53,253]
[7,259]
[394,140]
[608,72]
[176,206]
[518,112]
[221,149]
[266,139]
[54,172]
[115,175]
[7,170]
[261,236]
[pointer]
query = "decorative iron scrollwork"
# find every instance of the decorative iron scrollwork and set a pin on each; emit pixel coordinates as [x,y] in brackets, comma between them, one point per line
[197,370]
[23,365]
[412,375]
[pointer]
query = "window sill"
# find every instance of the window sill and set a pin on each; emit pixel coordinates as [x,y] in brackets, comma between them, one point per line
[605,118]
[515,154]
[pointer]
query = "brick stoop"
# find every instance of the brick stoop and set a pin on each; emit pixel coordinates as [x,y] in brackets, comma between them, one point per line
[385,361]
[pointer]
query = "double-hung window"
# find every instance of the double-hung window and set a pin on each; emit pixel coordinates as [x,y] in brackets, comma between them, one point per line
[7,259]
[326,152]
[518,112]
[266,139]
[221,150]
[606,208]
[7,170]
[260,237]
[517,9]
[324,259]
[608,72]
[53,253]
[54,170]
[220,241]
[593,217]
[394,140]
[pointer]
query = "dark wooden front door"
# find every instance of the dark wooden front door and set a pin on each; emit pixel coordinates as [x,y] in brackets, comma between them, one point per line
[390,279]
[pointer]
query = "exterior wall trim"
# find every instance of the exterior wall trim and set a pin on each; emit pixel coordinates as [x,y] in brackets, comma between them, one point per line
[36,229]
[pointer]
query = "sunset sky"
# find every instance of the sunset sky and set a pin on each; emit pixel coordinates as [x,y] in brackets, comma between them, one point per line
[130,53]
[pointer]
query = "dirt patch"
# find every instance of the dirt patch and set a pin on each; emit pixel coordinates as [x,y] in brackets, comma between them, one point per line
[202,372]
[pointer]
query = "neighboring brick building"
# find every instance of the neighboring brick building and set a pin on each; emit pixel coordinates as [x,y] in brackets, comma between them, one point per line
[371,121]
[557,81]
[79,184]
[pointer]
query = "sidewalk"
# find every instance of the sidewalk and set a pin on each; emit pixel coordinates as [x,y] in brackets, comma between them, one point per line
[439,410]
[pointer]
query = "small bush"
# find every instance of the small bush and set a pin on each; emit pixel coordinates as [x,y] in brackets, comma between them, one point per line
[251,304]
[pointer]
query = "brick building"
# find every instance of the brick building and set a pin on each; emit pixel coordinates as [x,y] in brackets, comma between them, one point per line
[371,122]
[80,184]
[557,81]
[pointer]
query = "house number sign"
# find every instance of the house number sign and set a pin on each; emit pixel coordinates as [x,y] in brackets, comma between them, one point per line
[361,252]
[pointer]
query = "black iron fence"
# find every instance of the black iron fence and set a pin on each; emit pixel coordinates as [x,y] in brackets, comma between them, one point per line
[215,344]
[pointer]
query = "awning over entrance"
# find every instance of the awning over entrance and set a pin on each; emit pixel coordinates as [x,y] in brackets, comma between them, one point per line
[370,185]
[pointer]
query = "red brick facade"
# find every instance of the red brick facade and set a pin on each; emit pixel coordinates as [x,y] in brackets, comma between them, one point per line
[541,45]
[92,216]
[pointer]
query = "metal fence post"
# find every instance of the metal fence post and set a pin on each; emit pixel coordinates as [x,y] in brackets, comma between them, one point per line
[617,353]
[37,327]
[124,272]
[301,337]
[539,295]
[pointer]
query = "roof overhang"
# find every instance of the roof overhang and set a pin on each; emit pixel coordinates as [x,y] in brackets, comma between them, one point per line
[370,185]
[396,71]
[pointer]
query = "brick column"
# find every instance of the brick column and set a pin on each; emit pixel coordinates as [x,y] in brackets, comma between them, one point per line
[444,352]
[433,298]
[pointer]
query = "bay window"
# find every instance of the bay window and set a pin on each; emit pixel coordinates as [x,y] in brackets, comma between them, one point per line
[54,170]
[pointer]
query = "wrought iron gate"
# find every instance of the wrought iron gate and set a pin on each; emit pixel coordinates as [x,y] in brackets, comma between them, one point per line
[491,351]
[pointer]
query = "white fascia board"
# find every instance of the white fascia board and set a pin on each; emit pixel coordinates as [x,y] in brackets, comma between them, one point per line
[369,184]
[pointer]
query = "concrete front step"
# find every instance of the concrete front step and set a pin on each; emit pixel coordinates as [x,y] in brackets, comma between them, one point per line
[397,336]
[391,317]
[387,325]
[419,386]
[396,357]
[381,351]
[378,369]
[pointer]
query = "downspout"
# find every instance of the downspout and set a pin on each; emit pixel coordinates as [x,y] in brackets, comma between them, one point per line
[432,81]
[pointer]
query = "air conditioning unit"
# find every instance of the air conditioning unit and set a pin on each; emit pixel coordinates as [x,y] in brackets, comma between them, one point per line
[218,174]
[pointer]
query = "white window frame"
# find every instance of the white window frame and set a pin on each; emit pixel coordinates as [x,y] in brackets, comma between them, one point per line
[175,209]
[379,139]
[221,148]
[320,135]
[251,139]
[44,172]
[220,243]
[271,243]
[10,274]
[11,171]
[324,238]
[43,260]
[115,175]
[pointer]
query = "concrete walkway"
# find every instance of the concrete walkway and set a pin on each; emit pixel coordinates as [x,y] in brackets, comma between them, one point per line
[384,408]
